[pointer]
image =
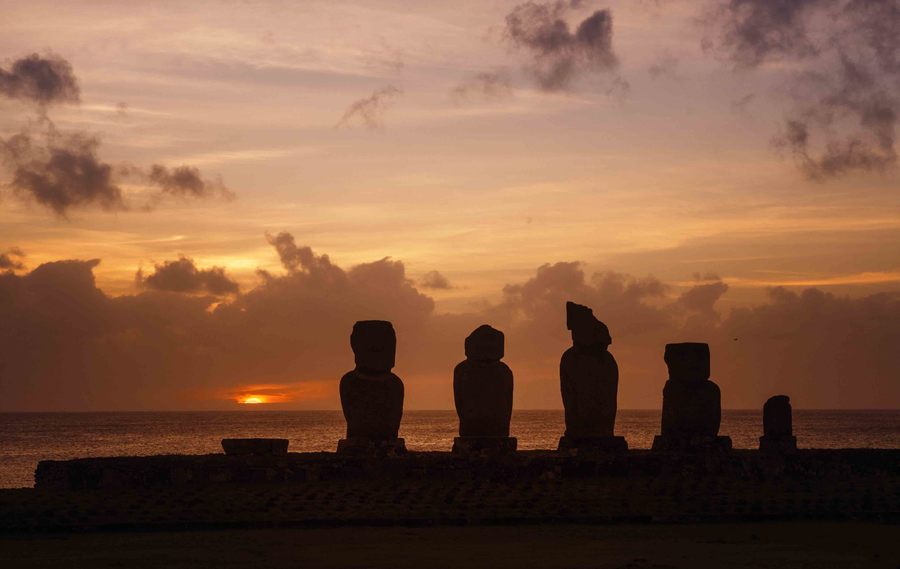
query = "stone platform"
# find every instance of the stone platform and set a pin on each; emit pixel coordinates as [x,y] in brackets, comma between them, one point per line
[484,446]
[310,489]
[573,445]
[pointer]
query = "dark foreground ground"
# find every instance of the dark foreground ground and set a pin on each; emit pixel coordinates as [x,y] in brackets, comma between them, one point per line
[820,545]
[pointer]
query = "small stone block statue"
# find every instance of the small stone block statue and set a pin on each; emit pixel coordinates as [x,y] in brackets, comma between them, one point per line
[778,433]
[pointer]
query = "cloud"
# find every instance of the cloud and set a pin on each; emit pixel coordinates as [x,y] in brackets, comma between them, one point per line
[183,275]
[289,336]
[827,349]
[867,143]
[43,80]
[487,85]
[559,56]
[751,32]
[846,57]
[435,280]
[186,181]
[11,260]
[369,111]
[294,258]
[61,173]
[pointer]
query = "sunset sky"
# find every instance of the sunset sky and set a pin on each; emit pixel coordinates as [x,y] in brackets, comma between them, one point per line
[718,171]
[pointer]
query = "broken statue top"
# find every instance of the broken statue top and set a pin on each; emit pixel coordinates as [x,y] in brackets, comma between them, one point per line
[586,329]
[688,361]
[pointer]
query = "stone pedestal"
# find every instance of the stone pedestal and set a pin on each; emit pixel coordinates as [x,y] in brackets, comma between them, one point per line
[695,443]
[261,447]
[371,447]
[778,444]
[581,445]
[484,446]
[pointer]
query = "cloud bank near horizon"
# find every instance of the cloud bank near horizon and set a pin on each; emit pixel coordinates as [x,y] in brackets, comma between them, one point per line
[191,339]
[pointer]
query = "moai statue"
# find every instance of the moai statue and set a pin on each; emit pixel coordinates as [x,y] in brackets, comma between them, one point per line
[483,392]
[589,381]
[372,396]
[692,404]
[778,435]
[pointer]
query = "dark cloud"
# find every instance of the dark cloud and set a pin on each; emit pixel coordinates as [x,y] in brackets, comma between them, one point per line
[158,350]
[369,111]
[294,258]
[560,55]
[435,280]
[846,57]
[63,170]
[11,260]
[751,32]
[853,117]
[43,80]
[186,181]
[61,173]
[183,275]
[486,85]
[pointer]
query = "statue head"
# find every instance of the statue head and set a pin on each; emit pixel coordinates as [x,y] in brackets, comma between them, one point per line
[688,361]
[587,330]
[374,345]
[484,344]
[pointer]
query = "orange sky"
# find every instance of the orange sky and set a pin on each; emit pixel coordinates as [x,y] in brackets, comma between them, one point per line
[369,130]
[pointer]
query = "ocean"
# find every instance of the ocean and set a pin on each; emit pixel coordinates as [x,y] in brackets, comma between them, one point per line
[26,438]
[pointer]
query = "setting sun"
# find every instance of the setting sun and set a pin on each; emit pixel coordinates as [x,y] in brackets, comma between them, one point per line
[252,400]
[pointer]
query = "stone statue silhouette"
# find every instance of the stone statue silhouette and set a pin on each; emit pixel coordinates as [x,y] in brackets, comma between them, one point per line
[589,382]
[692,404]
[778,432]
[483,393]
[372,396]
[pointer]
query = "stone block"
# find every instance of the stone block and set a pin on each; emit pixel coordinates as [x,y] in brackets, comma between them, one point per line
[485,344]
[777,417]
[691,408]
[586,445]
[363,447]
[688,361]
[372,404]
[778,444]
[483,446]
[695,443]
[265,447]
[483,394]
[374,345]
